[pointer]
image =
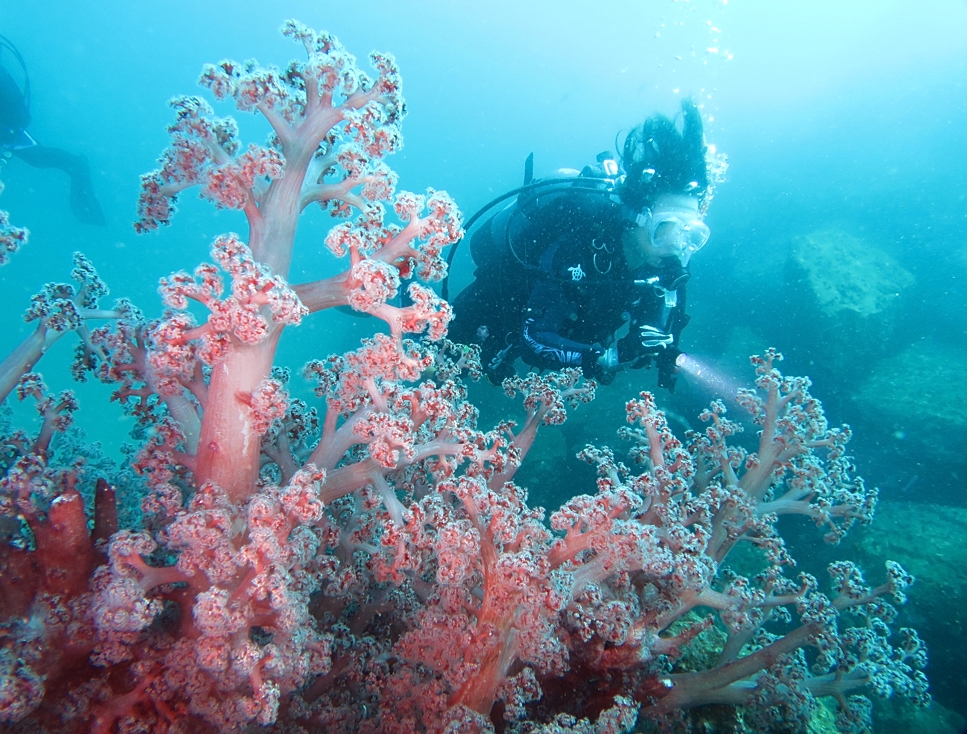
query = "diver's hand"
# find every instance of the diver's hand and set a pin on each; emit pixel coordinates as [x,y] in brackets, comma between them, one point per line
[606,365]
[609,358]
[653,340]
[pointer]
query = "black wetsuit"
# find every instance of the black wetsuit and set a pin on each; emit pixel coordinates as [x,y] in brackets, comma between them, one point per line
[553,287]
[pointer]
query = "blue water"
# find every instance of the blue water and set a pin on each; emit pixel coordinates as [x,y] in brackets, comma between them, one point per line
[852,121]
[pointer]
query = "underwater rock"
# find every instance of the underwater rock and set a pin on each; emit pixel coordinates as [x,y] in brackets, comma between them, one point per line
[848,276]
[920,396]
[927,540]
[841,299]
[891,716]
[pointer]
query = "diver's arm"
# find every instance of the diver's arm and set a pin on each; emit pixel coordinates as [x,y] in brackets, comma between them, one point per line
[549,350]
[541,340]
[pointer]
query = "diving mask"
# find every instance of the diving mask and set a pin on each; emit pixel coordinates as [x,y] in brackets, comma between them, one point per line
[675,228]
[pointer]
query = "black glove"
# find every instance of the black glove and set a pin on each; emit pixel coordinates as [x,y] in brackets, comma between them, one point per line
[654,341]
[639,349]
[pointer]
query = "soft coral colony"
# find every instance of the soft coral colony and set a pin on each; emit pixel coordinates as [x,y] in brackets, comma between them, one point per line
[368,563]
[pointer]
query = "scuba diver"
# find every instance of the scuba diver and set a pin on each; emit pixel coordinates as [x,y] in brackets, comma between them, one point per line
[588,269]
[15,140]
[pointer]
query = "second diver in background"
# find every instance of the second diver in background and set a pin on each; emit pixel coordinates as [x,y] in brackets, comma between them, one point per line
[16,141]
